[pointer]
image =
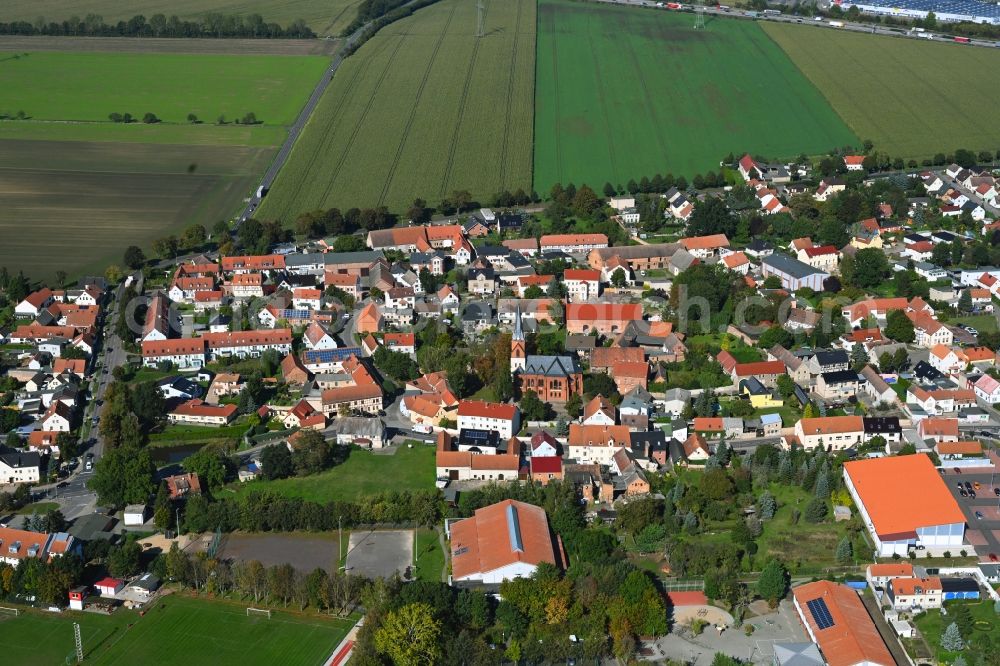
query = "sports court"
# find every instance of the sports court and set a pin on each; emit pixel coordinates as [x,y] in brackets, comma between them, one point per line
[380,553]
[306,552]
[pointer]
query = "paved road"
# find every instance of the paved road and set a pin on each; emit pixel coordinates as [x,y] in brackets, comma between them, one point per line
[824,23]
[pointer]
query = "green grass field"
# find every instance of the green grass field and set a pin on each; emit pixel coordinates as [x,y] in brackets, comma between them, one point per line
[422,109]
[623,93]
[363,473]
[911,97]
[178,630]
[323,16]
[88,86]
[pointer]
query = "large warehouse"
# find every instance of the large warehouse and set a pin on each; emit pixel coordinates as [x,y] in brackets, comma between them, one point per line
[905,504]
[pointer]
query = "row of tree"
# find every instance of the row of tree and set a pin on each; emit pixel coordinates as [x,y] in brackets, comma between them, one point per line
[212,24]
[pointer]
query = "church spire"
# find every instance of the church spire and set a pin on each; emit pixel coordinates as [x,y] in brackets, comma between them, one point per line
[518,351]
[518,333]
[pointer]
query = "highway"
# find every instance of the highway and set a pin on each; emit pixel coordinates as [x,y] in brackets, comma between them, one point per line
[823,22]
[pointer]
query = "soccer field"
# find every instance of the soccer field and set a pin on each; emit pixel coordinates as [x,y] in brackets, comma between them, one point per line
[423,108]
[624,93]
[912,98]
[178,630]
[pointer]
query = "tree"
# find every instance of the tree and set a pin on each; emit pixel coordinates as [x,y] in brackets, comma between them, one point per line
[61,278]
[899,327]
[532,408]
[409,636]
[773,582]
[166,247]
[609,190]
[191,118]
[163,515]
[276,462]
[951,639]
[211,466]
[816,510]
[124,561]
[150,118]
[123,475]
[859,357]
[194,236]
[786,386]
[965,301]
[766,506]
[574,405]
[134,257]
[870,268]
[845,551]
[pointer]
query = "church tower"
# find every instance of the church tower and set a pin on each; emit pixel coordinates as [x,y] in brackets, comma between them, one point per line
[518,351]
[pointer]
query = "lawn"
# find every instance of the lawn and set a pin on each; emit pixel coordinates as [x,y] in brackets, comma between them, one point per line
[899,92]
[178,630]
[175,434]
[422,109]
[931,624]
[430,557]
[984,323]
[76,205]
[623,93]
[323,16]
[60,86]
[363,473]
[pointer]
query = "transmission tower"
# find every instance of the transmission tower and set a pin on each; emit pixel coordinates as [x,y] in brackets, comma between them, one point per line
[699,17]
[480,18]
[79,643]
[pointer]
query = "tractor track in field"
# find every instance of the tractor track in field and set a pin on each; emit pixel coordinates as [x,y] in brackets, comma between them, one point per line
[604,107]
[555,102]
[328,130]
[650,104]
[416,103]
[361,120]
[450,162]
[510,97]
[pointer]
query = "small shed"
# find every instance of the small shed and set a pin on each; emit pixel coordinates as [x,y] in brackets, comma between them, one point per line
[135,515]
[76,596]
[109,587]
[145,585]
[841,513]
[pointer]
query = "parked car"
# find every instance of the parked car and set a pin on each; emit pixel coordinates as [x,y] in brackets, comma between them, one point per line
[993,557]
[979,515]
[996,491]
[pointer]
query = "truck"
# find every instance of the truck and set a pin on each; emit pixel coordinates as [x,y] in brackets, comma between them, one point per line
[963,40]
[837,24]
[261,192]
[772,12]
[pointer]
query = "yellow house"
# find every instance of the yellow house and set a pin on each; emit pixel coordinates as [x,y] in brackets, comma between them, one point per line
[864,243]
[760,396]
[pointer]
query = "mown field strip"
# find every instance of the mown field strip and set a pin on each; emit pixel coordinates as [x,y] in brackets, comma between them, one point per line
[404,131]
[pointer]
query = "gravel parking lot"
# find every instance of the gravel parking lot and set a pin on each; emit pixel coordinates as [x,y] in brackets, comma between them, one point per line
[379,554]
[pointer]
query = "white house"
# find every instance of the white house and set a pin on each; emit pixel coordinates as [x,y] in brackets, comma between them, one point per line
[480,415]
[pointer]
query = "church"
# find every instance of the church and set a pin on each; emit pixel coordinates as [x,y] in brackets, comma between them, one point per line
[552,378]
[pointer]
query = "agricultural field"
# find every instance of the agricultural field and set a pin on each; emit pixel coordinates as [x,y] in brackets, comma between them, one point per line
[623,93]
[174,631]
[910,97]
[325,17]
[422,109]
[88,86]
[90,187]
[76,205]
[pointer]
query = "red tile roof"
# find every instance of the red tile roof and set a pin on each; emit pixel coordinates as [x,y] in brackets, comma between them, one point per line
[487,410]
[852,638]
[500,535]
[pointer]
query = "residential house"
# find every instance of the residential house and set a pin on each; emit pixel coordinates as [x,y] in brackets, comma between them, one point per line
[196,412]
[479,415]
[596,444]
[834,433]
[582,285]
[938,429]
[825,257]
[913,594]
[19,467]
[793,273]
[599,412]
[837,386]
[570,243]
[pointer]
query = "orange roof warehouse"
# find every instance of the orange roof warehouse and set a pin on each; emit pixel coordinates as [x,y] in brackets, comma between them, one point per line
[905,504]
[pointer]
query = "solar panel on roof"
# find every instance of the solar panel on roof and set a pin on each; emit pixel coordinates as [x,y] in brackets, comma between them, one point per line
[821,613]
[330,355]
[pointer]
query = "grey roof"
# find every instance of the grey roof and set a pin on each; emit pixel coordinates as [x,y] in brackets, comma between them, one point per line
[334,258]
[791,266]
[766,419]
[840,377]
[578,341]
[677,394]
[551,366]
[14,458]
[835,357]
[797,654]
[358,426]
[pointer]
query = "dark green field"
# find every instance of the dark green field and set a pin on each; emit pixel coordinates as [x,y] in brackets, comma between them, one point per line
[623,93]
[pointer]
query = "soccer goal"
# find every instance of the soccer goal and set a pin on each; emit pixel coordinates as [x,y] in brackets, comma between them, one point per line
[259,611]
[4,610]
